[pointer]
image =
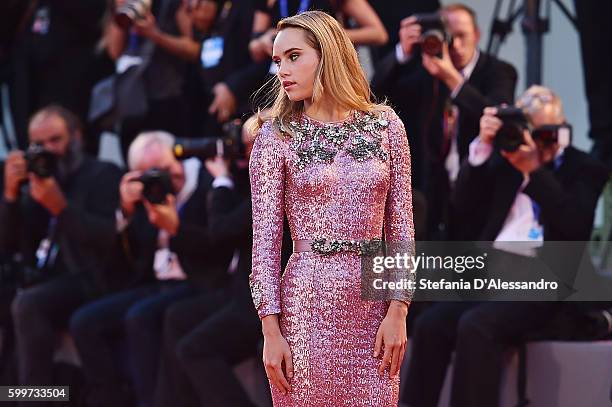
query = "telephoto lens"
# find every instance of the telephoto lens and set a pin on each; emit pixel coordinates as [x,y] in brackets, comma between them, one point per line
[229,145]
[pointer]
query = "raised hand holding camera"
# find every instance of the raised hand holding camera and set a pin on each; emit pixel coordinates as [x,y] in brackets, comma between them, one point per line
[130,192]
[525,158]
[164,215]
[409,34]
[47,192]
[15,173]
[443,68]
[489,125]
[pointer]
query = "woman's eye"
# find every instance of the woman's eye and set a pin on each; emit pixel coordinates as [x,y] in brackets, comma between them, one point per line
[277,62]
[293,57]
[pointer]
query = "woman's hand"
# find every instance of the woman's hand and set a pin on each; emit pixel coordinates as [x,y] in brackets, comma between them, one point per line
[392,334]
[276,351]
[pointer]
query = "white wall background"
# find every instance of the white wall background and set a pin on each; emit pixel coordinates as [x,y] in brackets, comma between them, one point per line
[562,63]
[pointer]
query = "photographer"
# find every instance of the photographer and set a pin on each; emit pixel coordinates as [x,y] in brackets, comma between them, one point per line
[156,37]
[440,94]
[205,338]
[539,189]
[223,29]
[53,58]
[162,224]
[57,220]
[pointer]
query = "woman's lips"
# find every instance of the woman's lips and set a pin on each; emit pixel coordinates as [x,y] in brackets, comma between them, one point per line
[288,84]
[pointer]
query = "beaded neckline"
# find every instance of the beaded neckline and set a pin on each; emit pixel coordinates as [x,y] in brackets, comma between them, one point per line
[348,118]
[318,142]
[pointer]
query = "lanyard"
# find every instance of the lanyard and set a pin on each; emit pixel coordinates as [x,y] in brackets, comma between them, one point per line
[284,8]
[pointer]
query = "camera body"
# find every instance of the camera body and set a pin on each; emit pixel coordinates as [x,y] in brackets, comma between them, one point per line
[40,162]
[156,185]
[131,11]
[434,33]
[229,146]
[510,136]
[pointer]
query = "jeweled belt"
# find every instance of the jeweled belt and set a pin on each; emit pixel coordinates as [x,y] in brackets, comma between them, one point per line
[326,247]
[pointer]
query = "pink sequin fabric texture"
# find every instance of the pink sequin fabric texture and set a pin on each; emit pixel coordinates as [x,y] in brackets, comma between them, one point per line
[331,331]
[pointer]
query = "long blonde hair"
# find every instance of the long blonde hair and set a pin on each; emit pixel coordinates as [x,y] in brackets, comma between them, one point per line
[339,75]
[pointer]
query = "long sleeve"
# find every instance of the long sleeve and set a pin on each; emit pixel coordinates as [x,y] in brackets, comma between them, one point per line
[398,222]
[500,79]
[568,209]
[267,174]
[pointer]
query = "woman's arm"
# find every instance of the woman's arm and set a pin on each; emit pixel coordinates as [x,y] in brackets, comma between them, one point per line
[398,222]
[399,237]
[267,173]
[370,30]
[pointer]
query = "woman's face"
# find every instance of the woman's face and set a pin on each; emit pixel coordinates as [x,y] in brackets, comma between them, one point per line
[297,63]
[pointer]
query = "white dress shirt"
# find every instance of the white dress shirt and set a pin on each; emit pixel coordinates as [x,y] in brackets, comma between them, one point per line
[521,224]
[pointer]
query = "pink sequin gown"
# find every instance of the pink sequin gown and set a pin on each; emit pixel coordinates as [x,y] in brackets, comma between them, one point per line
[330,330]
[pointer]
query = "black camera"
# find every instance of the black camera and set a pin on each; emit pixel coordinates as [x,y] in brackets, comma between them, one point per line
[157,185]
[552,134]
[434,33]
[131,11]
[229,146]
[41,162]
[510,136]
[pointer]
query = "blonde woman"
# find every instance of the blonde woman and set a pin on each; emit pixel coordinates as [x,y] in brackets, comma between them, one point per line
[338,166]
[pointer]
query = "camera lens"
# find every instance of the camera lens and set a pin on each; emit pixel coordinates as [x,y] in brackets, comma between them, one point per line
[432,42]
[509,137]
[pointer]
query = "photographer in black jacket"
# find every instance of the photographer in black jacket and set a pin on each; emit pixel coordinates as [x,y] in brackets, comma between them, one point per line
[440,98]
[223,30]
[540,191]
[57,219]
[162,226]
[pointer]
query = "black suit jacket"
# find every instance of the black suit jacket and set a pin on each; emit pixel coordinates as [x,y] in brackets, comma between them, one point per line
[233,227]
[420,100]
[85,230]
[202,258]
[567,196]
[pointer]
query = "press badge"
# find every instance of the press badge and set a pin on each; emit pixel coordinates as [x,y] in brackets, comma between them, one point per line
[42,21]
[535,233]
[42,252]
[212,52]
[46,253]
